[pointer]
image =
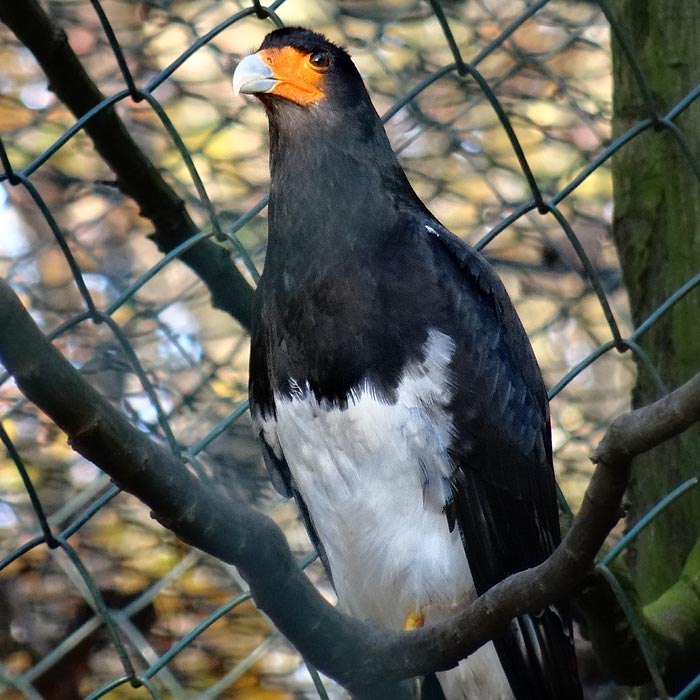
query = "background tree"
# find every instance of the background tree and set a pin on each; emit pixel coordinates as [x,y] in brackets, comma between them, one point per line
[656,228]
[656,184]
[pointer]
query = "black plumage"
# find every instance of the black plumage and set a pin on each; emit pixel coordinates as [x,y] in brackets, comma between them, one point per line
[358,274]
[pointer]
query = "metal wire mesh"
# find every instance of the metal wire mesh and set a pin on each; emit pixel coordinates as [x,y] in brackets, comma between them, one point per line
[501,114]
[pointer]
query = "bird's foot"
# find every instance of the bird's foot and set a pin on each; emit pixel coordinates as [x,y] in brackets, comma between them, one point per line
[414,620]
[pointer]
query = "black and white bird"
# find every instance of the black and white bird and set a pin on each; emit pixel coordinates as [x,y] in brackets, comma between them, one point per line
[395,392]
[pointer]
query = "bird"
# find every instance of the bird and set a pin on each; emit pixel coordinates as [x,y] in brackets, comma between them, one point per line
[392,385]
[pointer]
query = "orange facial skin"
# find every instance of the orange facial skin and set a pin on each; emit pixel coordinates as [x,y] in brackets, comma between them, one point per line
[299,80]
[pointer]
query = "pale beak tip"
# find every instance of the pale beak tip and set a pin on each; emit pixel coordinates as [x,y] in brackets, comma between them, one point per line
[253,75]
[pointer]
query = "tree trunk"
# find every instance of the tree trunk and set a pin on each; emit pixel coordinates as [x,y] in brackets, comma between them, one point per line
[657,232]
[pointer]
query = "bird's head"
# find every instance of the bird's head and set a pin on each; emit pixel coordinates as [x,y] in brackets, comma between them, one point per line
[299,67]
[324,130]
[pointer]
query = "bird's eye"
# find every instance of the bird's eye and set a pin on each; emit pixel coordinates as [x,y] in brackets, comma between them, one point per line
[319,60]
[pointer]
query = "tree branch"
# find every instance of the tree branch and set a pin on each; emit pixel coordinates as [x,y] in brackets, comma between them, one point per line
[355,653]
[137,177]
[671,623]
[633,433]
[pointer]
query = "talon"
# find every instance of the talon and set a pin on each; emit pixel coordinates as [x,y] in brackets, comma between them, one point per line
[413,621]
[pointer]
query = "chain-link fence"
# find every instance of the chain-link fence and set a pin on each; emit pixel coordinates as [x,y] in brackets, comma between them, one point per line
[501,114]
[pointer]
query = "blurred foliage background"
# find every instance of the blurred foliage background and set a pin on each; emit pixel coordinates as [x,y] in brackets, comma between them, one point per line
[178,367]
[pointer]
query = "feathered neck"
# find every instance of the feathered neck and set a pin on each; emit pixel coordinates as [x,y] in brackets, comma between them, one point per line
[336,185]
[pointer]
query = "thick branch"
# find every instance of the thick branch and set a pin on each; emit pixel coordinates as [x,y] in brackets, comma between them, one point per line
[606,624]
[670,624]
[355,653]
[137,177]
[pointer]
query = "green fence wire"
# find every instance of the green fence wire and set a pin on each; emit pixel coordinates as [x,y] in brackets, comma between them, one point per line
[501,114]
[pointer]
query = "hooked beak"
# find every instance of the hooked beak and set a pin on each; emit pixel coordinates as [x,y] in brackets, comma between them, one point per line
[253,75]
